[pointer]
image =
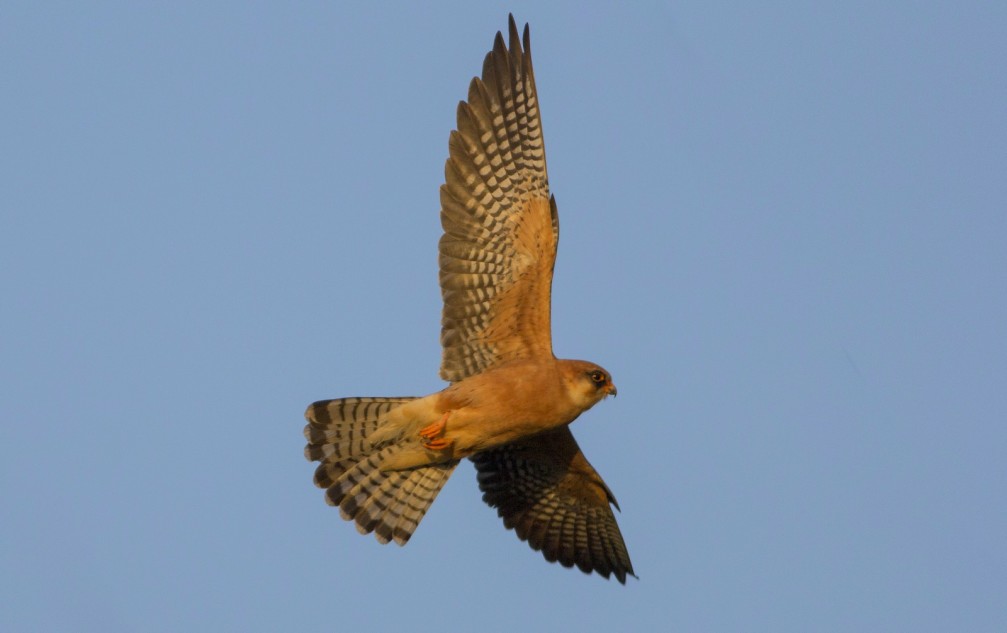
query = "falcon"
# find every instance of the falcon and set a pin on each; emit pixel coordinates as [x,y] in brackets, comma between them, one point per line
[510,401]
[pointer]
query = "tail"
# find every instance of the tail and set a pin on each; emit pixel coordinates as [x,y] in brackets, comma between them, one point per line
[390,504]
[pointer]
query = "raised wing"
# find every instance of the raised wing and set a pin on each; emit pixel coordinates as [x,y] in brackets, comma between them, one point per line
[547,492]
[500,223]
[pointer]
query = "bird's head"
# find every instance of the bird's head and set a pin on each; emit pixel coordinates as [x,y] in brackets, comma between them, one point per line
[587,383]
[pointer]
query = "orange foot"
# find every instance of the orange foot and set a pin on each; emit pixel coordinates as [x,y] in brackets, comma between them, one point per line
[432,432]
[438,444]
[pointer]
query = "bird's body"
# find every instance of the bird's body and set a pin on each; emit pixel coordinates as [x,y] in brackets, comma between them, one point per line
[508,403]
[510,400]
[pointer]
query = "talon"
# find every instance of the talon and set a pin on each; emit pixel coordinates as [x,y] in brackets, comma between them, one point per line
[431,431]
[431,435]
[438,444]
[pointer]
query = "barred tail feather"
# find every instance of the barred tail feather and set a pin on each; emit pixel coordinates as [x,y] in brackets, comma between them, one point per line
[389,504]
[418,490]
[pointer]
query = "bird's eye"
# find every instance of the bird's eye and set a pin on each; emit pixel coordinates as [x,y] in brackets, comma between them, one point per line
[598,377]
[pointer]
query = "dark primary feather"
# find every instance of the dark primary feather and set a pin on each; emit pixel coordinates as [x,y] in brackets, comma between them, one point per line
[545,491]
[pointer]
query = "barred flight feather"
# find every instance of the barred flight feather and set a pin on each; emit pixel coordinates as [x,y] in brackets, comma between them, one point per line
[495,202]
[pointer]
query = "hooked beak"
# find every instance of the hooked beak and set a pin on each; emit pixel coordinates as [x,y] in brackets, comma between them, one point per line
[612,391]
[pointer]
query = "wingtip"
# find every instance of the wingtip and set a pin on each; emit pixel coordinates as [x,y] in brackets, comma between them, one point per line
[499,45]
[527,40]
[512,31]
[621,576]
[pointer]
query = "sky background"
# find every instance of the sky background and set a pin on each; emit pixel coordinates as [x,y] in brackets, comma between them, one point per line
[784,234]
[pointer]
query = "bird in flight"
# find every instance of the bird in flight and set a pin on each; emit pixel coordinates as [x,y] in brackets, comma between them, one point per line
[510,401]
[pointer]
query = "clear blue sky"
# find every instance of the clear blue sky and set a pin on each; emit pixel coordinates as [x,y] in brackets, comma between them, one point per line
[784,233]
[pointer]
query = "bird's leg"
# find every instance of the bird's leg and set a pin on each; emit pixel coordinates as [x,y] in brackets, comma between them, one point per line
[431,433]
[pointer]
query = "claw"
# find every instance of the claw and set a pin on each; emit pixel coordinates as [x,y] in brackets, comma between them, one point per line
[438,444]
[432,432]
